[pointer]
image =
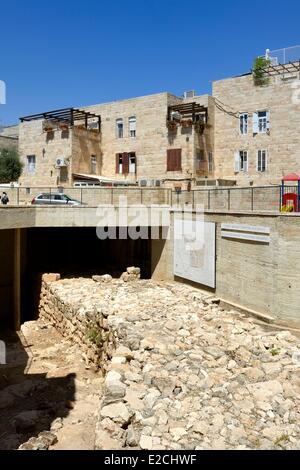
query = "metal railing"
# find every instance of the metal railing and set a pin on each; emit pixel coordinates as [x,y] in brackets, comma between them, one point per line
[93,197]
[284,55]
[253,198]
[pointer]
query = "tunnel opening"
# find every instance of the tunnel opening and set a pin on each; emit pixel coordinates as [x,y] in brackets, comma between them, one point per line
[75,252]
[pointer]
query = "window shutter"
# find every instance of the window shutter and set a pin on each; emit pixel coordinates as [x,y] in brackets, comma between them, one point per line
[169,160]
[237,162]
[255,123]
[125,163]
[174,160]
[178,160]
[268,120]
[257,160]
[117,163]
[246,162]
[266,160]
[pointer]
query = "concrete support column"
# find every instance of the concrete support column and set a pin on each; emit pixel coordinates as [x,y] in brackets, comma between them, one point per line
[17,279]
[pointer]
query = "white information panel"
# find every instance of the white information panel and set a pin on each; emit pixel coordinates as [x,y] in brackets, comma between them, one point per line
[195,251]
[246,232]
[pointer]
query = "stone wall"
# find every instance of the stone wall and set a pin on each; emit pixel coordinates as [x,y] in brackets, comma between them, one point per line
[81,318]
[263,278]
[8,142]
[87,328]
[76,146]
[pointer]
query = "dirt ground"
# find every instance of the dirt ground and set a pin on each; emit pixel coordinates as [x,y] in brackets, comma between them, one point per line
[46,386]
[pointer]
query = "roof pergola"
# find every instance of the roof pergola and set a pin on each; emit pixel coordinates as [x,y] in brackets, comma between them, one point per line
[194,110]
[66,115]
[279,69]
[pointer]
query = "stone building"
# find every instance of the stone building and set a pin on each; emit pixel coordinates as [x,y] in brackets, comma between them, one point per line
[153,140]
[243,134]
[9,137]
[256,139]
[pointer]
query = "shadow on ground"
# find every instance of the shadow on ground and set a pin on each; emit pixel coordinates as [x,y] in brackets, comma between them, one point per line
[29,403]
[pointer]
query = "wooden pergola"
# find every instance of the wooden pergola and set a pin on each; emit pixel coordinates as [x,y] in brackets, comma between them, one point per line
[190,110]
[66,115]
[280,69]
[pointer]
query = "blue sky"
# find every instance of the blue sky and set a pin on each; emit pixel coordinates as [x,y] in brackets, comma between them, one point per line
[65,53]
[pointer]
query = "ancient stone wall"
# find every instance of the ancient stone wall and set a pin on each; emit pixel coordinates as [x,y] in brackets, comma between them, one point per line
[88,327]
[183,374]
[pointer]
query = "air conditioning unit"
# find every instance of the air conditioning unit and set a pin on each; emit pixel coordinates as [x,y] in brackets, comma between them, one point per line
[189,94]
[61,162]
[143,183]
[175,116]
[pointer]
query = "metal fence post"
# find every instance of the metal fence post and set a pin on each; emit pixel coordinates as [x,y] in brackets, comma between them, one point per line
[208,197]
[141,195]
[252,199]
[280,198]
[193,203]
[18,196]
[112,196]
[80,195]
[228,199]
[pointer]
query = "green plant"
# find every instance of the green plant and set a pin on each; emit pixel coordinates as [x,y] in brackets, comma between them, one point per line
[259,66]
[10,165]
[281,439]
[94,334]
[274,352]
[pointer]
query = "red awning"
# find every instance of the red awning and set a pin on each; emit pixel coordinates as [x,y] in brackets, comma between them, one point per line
[291,177]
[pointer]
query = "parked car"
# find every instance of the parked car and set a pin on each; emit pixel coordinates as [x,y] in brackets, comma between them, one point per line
[55,198]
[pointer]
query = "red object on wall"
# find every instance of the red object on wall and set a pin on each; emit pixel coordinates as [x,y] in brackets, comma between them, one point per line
[291,199]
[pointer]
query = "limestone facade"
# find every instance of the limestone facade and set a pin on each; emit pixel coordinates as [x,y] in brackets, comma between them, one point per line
[280,140]
[251,138]
[144,137]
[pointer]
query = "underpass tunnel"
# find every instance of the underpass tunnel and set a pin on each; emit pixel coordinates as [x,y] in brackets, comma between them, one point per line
[70,251]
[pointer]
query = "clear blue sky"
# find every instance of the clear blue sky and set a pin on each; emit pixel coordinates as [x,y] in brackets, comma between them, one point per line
[64,53]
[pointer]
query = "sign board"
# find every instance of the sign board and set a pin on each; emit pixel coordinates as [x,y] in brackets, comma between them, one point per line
[254,233]
[195,251]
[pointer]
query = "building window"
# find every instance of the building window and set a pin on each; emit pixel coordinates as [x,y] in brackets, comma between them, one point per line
[261,122]
[132,163]
[200,158]
[119,128]
[174,160]
[210,162]
[132,126]
[261,160]
[243,123]
[119,167]
[241,161]
[93,164]
[122,163]
[63,175]
[31,164]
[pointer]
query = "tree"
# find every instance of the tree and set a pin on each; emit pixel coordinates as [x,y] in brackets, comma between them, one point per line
[10,165]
